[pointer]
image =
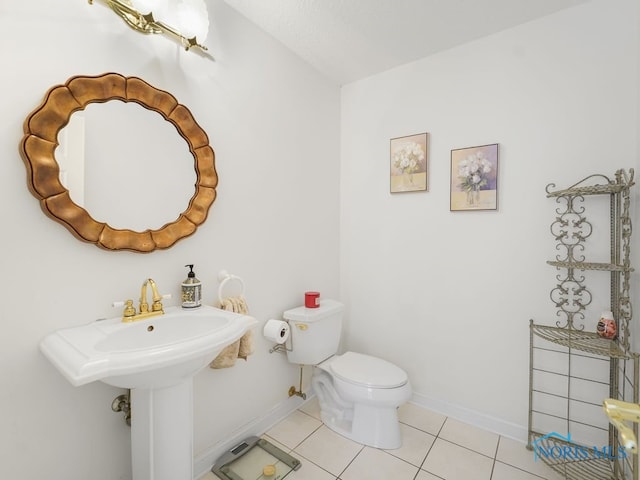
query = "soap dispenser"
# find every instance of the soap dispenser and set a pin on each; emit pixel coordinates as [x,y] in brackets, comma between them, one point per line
[191,290]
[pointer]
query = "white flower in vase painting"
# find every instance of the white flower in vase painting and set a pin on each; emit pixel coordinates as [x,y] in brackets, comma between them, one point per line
[409,158]
[473,172]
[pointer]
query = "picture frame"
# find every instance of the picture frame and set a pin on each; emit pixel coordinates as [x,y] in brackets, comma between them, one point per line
[474,178]
[409,163]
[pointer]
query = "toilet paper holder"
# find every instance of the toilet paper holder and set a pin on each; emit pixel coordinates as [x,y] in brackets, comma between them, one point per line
[285,347]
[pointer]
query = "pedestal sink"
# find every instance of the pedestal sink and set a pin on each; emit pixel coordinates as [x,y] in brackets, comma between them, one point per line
[157,359]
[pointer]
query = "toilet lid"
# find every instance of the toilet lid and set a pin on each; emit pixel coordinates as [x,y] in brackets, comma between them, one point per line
[366,370]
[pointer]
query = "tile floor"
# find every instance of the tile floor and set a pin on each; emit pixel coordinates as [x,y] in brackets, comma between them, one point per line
[435,447]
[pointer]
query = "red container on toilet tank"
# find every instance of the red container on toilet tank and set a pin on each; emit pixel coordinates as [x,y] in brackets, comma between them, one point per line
[312,299]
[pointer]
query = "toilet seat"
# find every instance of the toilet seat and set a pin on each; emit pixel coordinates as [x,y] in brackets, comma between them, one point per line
[367,371]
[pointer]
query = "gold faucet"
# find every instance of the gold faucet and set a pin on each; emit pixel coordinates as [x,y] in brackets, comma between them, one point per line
[130,314]
[617,411]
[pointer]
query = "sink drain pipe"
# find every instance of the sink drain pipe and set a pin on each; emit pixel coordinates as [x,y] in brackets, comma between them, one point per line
[122,403]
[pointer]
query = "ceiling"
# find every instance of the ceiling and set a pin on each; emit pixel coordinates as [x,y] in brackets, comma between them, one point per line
[348,40]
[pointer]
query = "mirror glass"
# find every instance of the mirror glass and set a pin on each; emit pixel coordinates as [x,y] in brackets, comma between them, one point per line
[126,165]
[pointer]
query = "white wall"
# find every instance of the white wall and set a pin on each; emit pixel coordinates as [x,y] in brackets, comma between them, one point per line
[445,295]
[448,295]
[274,125]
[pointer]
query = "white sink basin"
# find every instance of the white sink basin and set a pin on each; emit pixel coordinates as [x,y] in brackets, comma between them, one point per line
[152,353]
[156,358]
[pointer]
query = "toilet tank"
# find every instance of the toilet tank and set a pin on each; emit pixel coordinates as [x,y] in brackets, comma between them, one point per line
[315,332]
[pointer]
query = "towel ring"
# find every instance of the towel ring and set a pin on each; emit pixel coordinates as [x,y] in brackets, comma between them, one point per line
[223,278]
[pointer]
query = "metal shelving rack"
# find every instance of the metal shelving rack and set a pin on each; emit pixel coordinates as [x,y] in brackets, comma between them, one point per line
[572,370]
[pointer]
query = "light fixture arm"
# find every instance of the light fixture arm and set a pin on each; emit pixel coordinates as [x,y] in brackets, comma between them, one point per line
[146,23]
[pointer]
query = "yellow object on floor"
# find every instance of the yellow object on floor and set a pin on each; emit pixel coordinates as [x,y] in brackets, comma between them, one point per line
[269,470]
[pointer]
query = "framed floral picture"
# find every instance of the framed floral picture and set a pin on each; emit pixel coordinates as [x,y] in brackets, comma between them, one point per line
[409,163]
[474,178]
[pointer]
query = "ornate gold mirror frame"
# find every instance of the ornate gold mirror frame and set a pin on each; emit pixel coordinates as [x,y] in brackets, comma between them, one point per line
[40,140]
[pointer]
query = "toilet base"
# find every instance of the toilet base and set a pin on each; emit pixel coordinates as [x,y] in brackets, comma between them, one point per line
[373,426]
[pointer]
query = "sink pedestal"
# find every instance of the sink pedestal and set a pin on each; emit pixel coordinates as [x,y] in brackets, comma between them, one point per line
[162,432]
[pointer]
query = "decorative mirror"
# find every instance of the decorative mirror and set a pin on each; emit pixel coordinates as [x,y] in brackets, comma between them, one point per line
[41,140]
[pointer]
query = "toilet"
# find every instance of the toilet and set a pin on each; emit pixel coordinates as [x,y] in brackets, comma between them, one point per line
[359,394]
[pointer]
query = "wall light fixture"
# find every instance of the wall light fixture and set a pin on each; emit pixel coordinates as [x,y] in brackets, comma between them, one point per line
[186,21]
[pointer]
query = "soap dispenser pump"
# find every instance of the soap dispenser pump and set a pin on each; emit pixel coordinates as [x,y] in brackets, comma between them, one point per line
[191,290]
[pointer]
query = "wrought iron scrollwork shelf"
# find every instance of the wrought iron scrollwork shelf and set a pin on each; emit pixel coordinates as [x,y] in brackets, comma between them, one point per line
[578,190]
[559,393]
[571,229]
[589,342]
[606,267]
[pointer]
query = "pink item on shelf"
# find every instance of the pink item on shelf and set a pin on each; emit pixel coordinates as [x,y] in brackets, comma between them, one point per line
[607,326]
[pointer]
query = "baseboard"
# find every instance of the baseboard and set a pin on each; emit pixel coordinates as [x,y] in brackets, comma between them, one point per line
[472,417]
[258,426]
[202,463]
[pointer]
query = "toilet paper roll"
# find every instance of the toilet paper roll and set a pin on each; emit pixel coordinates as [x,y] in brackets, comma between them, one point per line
[276,330]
